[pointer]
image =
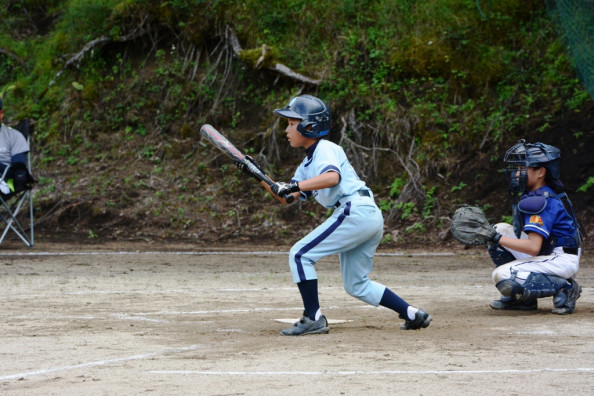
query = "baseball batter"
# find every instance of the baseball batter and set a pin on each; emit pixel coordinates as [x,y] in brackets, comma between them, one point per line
[353,231]
[538,256]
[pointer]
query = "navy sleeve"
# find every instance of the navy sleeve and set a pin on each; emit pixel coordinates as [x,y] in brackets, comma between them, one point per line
[20,157]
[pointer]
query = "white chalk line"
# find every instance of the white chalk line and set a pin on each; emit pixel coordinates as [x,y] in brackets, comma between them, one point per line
[202,253]
[142,316]
[248,310]
[117,316]
[276,373]
[98,363]
[360,372]
[11,296]
[145,316]
[134,253]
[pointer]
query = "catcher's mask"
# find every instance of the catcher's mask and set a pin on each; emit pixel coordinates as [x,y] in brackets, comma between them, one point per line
[312,112]
[531,155]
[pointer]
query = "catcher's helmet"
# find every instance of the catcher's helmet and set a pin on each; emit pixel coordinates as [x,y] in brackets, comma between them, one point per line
[312,112]
[533,155]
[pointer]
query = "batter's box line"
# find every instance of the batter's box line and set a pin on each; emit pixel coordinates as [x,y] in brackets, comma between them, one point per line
[204,253]
[369,373]
[145,316]
[106,362]
[245,310]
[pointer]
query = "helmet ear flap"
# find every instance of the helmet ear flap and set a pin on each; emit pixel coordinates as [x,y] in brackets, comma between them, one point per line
[305,128]
[302,127]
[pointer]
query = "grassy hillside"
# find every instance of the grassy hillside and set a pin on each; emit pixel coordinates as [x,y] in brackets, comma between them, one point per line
[426,98]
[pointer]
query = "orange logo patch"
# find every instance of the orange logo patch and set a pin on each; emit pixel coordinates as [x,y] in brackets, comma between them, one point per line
[536,220]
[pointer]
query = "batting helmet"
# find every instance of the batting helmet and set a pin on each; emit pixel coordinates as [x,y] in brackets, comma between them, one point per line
[533,155]
[312,112]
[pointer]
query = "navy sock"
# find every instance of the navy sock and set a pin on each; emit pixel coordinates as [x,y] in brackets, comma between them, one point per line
[309,295]
[395,303]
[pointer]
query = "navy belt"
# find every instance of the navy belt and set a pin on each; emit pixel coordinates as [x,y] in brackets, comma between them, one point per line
[363,193]
[573,251]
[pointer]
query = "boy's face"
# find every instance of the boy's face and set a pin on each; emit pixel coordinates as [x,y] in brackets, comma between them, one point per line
[294,137]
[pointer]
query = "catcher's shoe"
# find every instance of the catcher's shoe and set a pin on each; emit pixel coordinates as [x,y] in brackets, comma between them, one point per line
[514,305]
[565,300]
[307,326]
[422,320]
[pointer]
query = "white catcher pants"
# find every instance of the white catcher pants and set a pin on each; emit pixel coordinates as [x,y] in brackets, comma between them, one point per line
[558,263]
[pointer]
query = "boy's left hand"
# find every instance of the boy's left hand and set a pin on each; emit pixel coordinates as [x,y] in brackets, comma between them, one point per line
[281,189]
[242,166]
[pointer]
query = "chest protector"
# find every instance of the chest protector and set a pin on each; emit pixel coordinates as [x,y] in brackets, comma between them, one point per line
[535,204]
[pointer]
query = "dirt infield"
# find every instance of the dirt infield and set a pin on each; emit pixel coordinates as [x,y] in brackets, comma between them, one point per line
[167,320]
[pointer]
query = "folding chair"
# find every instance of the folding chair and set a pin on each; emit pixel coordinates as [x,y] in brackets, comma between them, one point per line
[13,205]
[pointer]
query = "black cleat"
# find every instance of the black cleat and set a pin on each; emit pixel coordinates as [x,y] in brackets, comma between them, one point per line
[421,321]
[567,300]
[307,326]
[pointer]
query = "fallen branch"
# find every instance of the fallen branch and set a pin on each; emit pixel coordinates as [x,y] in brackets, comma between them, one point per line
[284,70]
[79,56]
[278,67]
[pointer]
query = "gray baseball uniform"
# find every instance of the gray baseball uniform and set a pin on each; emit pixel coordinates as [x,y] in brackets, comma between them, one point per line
[12,142]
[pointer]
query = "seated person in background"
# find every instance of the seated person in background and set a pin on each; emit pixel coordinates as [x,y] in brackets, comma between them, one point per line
[13,151]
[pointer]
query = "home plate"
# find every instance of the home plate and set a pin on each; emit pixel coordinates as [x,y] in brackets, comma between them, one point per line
[330,321]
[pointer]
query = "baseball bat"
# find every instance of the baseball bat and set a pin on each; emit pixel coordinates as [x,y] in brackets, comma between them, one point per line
[223,144]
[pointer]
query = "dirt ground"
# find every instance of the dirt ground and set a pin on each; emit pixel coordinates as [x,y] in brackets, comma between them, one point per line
[123,319]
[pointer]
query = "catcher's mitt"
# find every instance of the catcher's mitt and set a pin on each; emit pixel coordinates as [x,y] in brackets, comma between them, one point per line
[470,226]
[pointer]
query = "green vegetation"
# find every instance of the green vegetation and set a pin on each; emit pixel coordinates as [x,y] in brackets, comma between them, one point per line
[419,89]
[589,184]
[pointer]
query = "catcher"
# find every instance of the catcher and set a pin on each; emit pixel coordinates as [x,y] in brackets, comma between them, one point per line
[538,256]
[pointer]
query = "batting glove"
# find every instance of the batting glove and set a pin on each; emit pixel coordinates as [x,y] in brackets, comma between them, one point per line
[242,166]
[281,189]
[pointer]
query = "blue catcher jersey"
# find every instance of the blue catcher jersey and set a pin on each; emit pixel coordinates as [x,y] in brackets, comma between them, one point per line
[553,221]
[325,156]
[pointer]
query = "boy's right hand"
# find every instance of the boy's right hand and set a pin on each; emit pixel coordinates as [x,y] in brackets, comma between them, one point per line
[282,189]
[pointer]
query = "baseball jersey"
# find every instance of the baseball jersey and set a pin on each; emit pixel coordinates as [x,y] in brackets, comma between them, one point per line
[325,156]
[553,221]
[12,142]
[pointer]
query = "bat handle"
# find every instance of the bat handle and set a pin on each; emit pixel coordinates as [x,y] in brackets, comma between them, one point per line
[289,198]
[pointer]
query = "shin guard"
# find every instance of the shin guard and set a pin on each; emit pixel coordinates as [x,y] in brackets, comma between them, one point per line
[537,285]
[542,285]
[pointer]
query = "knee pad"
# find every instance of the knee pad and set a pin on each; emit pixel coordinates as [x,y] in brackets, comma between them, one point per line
[499,255]
[510,288]
[537,285]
